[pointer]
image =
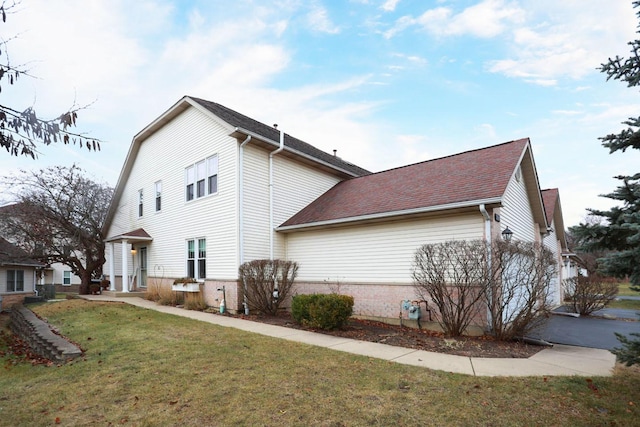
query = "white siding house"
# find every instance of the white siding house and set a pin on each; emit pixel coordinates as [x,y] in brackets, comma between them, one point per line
[278,197]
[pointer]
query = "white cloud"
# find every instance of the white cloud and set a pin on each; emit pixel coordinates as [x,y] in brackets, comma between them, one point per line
[318,20]
[486,19]
[565,39]
[389,5]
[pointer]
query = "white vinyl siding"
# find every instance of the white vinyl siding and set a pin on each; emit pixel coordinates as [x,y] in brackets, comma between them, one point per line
[198,137]
[374,253]
[516,212]
[295,186]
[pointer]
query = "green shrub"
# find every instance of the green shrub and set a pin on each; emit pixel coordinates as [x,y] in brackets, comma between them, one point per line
[323,311]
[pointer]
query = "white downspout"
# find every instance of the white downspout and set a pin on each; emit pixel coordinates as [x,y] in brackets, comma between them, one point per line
[241,200]
[245,303]
[273,153]
[487,236]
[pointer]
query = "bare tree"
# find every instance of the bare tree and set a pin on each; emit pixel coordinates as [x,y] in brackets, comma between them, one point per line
[587,294]
[468,280]
[57,216]
[518,295]
[22,130]
[453,275]
[267,283]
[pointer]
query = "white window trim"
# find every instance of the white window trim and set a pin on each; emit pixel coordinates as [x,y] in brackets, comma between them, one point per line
[157,195]
[194,178]
[196,243]
[140,204]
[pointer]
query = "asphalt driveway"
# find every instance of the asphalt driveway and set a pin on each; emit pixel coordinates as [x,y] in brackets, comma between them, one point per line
[589,331]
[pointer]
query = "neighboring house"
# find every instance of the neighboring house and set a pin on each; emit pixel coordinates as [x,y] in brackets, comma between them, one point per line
[204,189]
[62,278]
[556,241]
[18,274]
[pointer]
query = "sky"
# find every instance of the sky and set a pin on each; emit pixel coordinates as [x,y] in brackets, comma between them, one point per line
[386,83]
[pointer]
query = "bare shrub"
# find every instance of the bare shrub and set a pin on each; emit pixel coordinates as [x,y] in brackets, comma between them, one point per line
[587,294]
[194,301]
[169,297]
[453,275]
[267,283]
[518,293]
[153,291]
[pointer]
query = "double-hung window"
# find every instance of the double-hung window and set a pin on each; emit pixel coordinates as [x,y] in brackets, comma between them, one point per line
[15,280]
[201,178]
[158,188]
[197,258]
[66,277]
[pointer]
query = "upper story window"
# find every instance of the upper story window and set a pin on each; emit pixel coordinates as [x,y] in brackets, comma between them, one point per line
[140,210]
[158,188]
[201,179]
[15,280]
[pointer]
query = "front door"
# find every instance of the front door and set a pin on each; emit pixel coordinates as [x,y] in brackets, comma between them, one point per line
[143,267]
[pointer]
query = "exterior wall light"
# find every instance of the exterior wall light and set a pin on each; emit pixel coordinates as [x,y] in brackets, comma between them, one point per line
[507,234]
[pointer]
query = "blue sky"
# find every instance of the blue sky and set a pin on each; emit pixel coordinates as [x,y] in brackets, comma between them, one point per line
[384,82]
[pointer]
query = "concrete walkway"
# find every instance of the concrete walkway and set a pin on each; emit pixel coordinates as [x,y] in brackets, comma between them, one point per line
[558,360]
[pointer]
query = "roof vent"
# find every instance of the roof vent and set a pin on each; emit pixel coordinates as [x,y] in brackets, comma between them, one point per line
[275,125]
[335,152]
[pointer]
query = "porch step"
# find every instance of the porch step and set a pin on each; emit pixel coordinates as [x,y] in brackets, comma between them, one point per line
[120,294]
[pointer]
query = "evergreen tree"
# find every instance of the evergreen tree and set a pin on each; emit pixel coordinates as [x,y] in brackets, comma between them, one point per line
[619,232]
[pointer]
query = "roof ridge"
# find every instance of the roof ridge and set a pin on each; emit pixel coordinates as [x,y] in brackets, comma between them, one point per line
[291,141]
[442,158]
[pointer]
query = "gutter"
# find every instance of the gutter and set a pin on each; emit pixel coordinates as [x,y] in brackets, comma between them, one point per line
[296,152]
[385,215]
[271,227]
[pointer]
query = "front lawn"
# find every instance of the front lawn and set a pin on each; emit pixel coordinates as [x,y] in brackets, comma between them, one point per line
[624,289]
[147,368]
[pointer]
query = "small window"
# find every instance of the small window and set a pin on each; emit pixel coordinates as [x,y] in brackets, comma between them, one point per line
[15,280]
[158,186]
[66,278]
[140,211]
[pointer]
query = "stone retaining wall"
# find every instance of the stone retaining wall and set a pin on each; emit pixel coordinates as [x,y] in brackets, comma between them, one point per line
[38,334]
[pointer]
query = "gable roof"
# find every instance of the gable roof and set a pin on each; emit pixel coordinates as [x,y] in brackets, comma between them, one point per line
[239,126]
[553,211]
[461,180]
[137,235]
[10,254]
[247,126]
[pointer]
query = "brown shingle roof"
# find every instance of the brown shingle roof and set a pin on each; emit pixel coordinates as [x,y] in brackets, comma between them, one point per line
[10,254]
[470,176]
[549,198]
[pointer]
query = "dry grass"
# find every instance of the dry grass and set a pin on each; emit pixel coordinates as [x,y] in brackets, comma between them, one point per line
[147,368]
[624,289]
